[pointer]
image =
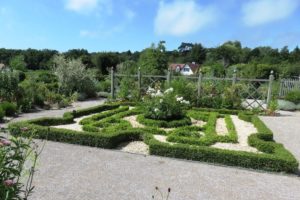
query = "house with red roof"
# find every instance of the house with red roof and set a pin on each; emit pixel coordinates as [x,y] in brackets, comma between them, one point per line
[185,69]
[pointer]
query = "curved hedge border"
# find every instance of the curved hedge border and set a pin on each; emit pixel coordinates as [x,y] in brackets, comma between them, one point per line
[162,123]
[276,158]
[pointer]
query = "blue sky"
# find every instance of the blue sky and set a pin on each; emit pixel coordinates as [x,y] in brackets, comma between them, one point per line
[121,25]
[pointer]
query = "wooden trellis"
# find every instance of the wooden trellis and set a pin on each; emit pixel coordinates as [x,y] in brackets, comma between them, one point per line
[253,97]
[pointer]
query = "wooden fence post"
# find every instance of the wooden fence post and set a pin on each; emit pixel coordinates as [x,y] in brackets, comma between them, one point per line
[269,97]
[199,87]
[169,78]
[234,77]
[139,82]
[112,83]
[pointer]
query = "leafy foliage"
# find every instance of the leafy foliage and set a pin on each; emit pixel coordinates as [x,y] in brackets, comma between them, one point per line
[153,60]
[10,109]
[18,63]
[164,106]
[73,76]
[293,96]
[18,158]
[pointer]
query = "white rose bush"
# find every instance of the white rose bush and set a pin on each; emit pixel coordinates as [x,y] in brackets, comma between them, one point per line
[164,105]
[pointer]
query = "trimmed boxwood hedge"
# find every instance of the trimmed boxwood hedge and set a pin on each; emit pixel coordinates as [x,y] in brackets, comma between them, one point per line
[275,158]
[164,123]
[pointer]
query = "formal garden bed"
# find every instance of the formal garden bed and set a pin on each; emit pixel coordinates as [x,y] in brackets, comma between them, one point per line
[199,134]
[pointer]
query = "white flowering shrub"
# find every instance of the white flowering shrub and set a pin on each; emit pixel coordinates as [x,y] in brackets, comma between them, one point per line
[164,105]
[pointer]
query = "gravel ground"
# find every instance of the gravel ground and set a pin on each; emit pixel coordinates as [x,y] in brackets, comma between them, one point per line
[74,126]
[286,129]
[72,172]
[134,147]
[244,130]
[57,113]
[221,128]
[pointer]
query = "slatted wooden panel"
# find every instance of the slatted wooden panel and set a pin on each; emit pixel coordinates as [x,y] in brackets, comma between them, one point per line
[286,85]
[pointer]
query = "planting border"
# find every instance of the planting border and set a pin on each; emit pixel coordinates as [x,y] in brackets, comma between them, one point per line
[274,157]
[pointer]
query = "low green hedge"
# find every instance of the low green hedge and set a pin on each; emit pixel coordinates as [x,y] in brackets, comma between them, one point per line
[222,111]
[163,123]
[282,161]
[116,130]
[103,115]
[189,135]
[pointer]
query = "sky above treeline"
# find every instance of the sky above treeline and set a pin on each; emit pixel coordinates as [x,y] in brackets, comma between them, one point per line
[121,25]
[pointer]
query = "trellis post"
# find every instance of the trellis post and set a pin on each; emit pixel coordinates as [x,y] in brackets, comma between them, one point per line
[234,77]
[169,78]
[139,81]
[269,97]
[199,87]
[112,83]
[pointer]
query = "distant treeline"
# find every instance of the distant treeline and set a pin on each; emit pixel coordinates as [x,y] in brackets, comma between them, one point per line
[218,61]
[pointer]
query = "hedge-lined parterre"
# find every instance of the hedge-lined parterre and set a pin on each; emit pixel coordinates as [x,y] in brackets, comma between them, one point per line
[108,128]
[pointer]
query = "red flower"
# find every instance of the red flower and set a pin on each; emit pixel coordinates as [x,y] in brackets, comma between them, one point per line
[4,142]
[8,182]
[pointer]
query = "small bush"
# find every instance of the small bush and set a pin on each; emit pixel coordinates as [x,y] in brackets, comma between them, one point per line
[17,166]
[9,109]
[164,106]
[286,105]
[1,114]
[293,96]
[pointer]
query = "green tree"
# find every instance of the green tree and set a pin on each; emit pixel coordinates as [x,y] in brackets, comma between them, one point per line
[74,77]
[285,53]
[18,63]
[104,61]
[198,53]
[229,53]
[295,55]
[153,60]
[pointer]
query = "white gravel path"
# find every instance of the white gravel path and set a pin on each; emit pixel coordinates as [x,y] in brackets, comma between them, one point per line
[197,122]
[221,128]
[75,126]
[138,147]
[244,130]
[133,121]
[162,138]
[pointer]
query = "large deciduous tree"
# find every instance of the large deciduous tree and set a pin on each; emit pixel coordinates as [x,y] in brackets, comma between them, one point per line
[229,52]
[153,60]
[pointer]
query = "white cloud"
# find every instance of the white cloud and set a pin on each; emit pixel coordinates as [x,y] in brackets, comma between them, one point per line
[81,5]
[88,6]
[180,17]
[258,12]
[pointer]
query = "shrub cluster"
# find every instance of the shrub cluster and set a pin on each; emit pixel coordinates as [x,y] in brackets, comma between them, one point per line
[10,109]
[164,105]
[293,96]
